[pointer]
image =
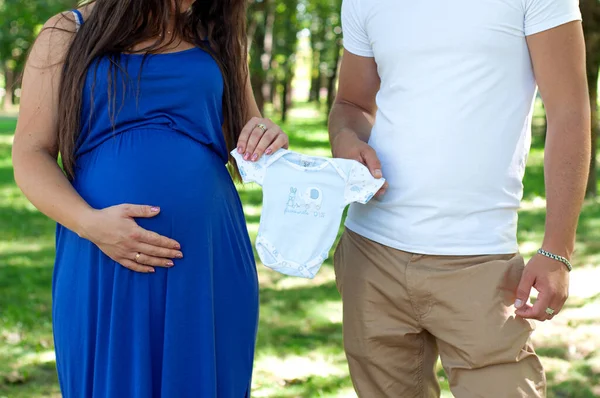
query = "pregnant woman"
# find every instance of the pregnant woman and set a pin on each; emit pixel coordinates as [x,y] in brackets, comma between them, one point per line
[155,288]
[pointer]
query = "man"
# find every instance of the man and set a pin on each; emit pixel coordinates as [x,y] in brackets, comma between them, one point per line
[437,98]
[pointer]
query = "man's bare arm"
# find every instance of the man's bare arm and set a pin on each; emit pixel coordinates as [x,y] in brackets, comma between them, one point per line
[354,108]
[558,57]
[353,113]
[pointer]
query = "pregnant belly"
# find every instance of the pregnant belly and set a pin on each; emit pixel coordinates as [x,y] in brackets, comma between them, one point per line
[186,179]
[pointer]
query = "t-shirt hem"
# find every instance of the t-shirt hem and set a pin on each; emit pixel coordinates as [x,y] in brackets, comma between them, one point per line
[360,53]
[440,250]
[553,23]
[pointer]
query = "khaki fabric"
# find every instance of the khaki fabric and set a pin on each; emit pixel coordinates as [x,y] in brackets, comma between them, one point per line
[402,310]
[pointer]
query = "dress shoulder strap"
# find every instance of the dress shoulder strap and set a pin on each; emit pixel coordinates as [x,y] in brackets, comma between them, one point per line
[78,18]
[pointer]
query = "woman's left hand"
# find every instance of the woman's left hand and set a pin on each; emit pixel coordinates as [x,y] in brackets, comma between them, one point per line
[261,136]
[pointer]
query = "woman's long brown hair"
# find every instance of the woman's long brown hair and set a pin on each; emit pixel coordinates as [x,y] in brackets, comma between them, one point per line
[117,26]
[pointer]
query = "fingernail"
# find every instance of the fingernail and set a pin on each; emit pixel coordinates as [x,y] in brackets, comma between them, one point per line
[177,247]
[155,209]
[170,263]
[240,149]
[179,255]
[255,157]
[268,151]
[152,270]
[378,173]
[518,303]
[246,156]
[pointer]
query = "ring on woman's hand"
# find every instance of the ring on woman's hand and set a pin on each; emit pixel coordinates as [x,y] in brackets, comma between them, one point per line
[549,311]
[137,257]
[262,127]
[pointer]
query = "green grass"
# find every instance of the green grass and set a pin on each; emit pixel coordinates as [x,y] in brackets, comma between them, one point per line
[300,337]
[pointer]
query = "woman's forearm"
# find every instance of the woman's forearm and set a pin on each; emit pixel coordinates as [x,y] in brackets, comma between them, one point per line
[43,182]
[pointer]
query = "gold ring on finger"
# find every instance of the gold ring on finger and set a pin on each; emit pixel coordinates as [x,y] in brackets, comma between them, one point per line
[137,257]
[262,127]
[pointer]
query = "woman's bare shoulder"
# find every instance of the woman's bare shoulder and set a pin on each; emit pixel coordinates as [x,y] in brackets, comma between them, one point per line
[54,40]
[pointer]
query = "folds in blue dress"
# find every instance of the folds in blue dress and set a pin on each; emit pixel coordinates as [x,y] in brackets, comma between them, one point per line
[188,331]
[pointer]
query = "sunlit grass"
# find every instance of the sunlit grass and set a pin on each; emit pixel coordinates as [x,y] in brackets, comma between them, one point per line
[300,351]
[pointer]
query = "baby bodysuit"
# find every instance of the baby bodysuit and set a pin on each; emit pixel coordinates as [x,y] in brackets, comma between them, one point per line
[303,201]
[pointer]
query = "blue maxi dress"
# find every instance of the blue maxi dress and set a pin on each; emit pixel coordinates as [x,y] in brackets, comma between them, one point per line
[188,331]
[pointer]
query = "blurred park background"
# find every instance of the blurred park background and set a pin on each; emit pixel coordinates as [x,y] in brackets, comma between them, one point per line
[295,49]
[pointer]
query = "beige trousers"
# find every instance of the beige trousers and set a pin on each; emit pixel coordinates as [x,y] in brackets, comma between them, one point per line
[402,310]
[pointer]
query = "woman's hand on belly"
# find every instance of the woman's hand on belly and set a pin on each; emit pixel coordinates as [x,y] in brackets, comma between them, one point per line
[116,233]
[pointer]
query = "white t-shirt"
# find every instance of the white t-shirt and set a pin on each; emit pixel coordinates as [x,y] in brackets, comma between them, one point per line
[453,126]
[303,201]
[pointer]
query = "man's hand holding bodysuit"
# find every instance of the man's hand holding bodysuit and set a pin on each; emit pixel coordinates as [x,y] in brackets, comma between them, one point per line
[353,113]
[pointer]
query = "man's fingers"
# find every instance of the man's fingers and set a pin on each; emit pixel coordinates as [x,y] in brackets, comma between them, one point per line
[538,310]
[557,304]
[132,265]
[524,289]
[382,190]
[372,162]
[140,211]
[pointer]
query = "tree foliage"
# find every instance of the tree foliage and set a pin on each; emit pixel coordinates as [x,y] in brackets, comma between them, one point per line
[275,28]
[591,27]
[20,22]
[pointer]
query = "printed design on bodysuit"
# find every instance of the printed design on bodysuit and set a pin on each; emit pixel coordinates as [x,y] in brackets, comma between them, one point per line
[251,171]
[308,202]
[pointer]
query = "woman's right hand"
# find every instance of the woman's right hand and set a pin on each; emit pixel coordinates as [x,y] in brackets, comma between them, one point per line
[116,233]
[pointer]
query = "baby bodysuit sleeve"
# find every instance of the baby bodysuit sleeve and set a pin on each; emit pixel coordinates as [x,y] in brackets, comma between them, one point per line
[251,171]
[361,186]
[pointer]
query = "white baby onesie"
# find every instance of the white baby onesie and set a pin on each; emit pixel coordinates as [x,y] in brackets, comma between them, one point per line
[304,198]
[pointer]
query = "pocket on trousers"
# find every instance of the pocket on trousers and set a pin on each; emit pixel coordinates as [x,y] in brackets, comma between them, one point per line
[511,278]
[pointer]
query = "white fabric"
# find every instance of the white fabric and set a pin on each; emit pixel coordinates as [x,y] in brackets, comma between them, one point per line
[303,201]
[453,125]
[78,21]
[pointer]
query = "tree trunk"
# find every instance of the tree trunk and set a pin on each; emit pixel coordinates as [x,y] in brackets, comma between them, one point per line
[316,44]
[9,85]
[257,82]
[252,24]
[273,93]
[286,95]
[267,56]
[284,100]
[257,72]
[593,67]
[591,27]
[315,82]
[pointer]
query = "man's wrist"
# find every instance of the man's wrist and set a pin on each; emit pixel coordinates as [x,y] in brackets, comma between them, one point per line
[560,247]
[557,258]
[345,135]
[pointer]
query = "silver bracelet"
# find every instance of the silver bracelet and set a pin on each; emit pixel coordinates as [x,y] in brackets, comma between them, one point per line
[557,258]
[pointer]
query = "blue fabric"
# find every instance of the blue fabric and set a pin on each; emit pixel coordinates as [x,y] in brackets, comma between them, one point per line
[79,17]
[188,331]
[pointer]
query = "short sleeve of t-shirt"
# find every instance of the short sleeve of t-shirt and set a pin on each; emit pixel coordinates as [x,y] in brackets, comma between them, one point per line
[361,186]
[251,171]
[356,39]
[541,15]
